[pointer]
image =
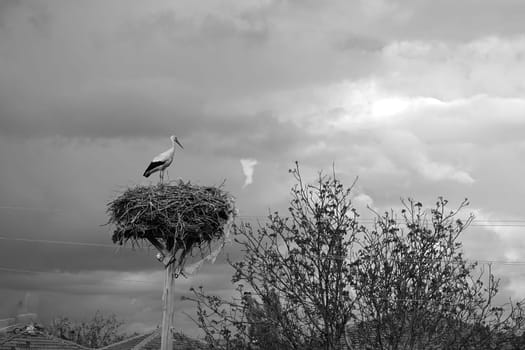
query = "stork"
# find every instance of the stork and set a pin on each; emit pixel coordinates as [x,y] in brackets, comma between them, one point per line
[163,160]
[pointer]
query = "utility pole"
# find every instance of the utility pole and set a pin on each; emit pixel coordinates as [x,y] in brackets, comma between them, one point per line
[168,308]
[168,295]
[166,216]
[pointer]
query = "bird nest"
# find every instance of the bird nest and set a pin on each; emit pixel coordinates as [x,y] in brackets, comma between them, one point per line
[182,215]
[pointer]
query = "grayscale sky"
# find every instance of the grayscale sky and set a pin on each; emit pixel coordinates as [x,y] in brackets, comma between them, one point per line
[417,98]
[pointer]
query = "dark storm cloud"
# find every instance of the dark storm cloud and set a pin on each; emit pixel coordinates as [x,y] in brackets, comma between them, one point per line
[51,257]
[252,32]
[70,76]
[262,135]
[99,116]
[360,43]
[5,7]
[209,30]
[143,283]
[136,115]
[134,297]
[462,20]
[83,250]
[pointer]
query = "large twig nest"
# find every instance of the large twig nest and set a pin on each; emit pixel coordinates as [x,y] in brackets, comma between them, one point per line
[182,215]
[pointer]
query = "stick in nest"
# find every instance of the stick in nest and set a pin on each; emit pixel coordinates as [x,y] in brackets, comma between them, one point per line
[184,216]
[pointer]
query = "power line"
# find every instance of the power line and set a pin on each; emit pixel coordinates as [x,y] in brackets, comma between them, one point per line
[24,271]
[330,256]
[476,223]
[36,272]
[22,208]
[31,240]
[480,261]
[520,222]
[486,223]
[373,219]
[76,243]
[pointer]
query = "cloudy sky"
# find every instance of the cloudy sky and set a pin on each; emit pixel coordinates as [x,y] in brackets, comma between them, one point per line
[417,98]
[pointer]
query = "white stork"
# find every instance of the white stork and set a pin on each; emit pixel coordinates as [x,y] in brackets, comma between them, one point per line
[163,160]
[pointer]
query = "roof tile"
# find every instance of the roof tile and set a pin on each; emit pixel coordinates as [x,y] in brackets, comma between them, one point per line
[29,337]
[151,341]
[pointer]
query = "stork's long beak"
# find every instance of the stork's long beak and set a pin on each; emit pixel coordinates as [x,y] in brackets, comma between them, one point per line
[176,140]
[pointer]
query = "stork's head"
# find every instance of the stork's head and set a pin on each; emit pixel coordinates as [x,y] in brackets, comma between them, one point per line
[174,139]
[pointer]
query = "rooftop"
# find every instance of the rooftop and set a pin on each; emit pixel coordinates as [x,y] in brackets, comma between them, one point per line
[151,341]
[33,337]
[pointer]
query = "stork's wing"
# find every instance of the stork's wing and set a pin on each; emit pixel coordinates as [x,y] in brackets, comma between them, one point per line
[152,167]
[162,160]
[163,157]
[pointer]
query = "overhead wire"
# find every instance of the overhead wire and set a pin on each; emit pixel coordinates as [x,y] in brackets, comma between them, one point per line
[25,271]
[101,245]
[520,222]
[37,272]
[32,240]
[478,223]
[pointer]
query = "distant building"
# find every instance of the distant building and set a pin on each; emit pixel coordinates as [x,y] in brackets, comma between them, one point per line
[34,337]
[151,341]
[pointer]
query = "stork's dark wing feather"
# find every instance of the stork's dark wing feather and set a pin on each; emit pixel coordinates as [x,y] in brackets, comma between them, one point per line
[151,168]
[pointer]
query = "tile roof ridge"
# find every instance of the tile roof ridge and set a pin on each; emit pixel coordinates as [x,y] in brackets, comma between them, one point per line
[14,331]
[153,335]
[7,338]
[40,332]
[109,346]
[11,328]
[64,341]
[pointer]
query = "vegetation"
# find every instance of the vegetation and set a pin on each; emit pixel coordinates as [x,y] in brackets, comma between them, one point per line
[296,270]
[316,278]
[98,332]
[415,290]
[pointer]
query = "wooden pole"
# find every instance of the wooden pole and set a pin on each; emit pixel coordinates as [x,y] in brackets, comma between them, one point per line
[167,308]
[168,259]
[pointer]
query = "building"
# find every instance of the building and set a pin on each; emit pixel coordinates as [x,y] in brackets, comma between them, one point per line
[34,337]
[151,341]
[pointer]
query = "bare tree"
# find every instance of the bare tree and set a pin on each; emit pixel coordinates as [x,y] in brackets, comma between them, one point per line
[99,331]
[310,279]
[295,272]
[415,290]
